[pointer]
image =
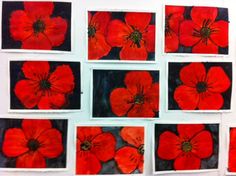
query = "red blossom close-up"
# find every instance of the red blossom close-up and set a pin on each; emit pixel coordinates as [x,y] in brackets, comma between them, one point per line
[232,151]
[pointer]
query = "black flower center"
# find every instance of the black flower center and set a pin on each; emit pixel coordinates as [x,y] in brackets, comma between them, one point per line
[45,84]
[39,26]
[136,37]
[91,31]
[141,149]
[139,99]
[205,32]
[186,147]
[201,87]
[33,144]
[86,145]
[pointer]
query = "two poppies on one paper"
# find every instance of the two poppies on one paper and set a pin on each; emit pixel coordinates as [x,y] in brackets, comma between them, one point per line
[186,146]
[44,85]
[36,25]
[109,150]
[196,29]
[121,35]
[33,144]
[125,93]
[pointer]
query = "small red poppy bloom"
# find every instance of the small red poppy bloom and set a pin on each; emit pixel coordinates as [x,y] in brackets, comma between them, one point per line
[232,151]
[192,144]
[173,16]
[33,143]
[34,27]
[42,88]
[136,36]
[140,98]
[131,157]
[203,33]
[97,30]
[200,89]
[93,147]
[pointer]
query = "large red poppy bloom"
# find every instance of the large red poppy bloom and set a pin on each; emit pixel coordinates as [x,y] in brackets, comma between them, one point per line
[97,30]
[173,16]
[140,98]
[34,27]
[200,89]
[33,143]
[232,151]
[192,144]
[131,157]
[42,88]
[93,147]
[203,33]
[136,36]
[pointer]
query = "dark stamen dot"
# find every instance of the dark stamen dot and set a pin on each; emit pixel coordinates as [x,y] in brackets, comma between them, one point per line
[139,99]
[201,87]
[38,26]
[86,145]
[141,149]
[91,31]
[186,147]
[205,32]
[136,37]
[45,84]
[33,144]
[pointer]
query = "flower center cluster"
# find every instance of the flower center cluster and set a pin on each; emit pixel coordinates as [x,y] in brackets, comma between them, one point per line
[139,99]
[136,37]
[186,147]
[45,84]
[33,144]
[91,31]
[201,87]
[39,26]
[86,145]
[205,32]
[141,149]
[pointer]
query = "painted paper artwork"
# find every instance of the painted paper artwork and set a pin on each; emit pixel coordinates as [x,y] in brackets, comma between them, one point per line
[36,25]
[232,150]
[45,85]
[186,147]
[109,150]
[121,36]
[199,86]
[33,144]
[125,93]
[196,29]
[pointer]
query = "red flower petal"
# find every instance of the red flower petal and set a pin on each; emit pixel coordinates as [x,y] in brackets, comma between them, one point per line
[152,97]
[170,10]
[138,20]
[187,131]
[97,47]
[133,135]
[202,144]
[232,144]
[117,33]
[171,42]
[89,17]
[232,161]
[103,146]
[210,101]
[38,9]
[28,93]
[187,162]
[217,80]
[20,25]
[88,133]
[52,101]
[50,143]
[220,37]
[208,48]
[14,143]
[193,73]
[141,110]
[39,41]
[186,31]
[140,166]
[56,29]
[87,163]
[202,14]
[127,159]
[31,160]
[149,38]
[186,97]
[175,16]
[169,146]
[121,101]
[34,128]
[62,79]
[100,20]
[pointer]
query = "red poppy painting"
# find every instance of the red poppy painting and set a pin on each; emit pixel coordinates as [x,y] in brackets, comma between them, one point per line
[232,150]
[109,150]
[34,143]
[121,36]
[45,85]
[200,86]
[186,146]
[196,29]
[36,25]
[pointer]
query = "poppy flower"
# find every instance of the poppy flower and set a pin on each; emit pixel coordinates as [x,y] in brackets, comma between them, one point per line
[200,89]
[140,98]
[204,33]
[232,151]
[97,30]
[34,27]
[131,157]
[93,147]
[136,36]
[42,88]
[173,16]
[32,144]
[192,144]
